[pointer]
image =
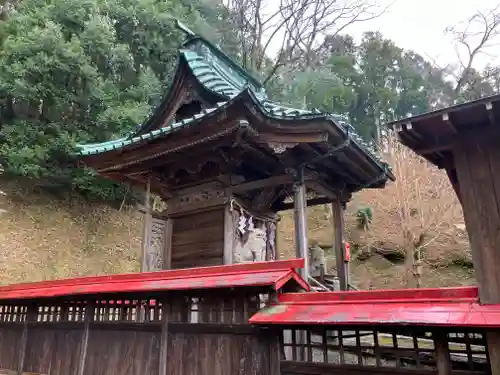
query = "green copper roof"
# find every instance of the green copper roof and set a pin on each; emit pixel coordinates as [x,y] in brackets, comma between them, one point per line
[268,109]
[97,148]
[219,74]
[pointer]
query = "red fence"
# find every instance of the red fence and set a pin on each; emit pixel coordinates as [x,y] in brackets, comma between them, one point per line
[244,319]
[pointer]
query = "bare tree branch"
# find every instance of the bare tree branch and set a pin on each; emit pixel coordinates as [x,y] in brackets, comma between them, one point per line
[273,33]
[422,207]
[474,38]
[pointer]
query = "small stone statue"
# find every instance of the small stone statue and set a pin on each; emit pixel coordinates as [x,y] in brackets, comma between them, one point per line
[254,249]
[317,259]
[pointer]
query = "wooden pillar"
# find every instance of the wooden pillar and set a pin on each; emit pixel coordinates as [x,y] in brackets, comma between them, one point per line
[477,162]
[167,246]
[338,244]
[163,360]
[228,235]
[89,316]
[146,229]
[31,312]
[299,189]
[443,361]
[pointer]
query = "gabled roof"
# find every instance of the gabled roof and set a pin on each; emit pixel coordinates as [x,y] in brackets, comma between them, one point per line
[228,83]
[266,109]
[273,274]
[217,71]
[432,134]
[444,307]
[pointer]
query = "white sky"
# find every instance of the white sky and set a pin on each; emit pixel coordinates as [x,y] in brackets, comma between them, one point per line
[419,25]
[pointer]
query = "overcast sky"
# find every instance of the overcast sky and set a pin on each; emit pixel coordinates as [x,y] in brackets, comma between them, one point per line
[419,25]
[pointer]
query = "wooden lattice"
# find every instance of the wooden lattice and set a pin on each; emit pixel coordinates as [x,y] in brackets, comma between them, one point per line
[409,349]
[202,307]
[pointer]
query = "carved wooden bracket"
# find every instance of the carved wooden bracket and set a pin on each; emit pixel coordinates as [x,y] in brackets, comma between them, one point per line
[197,200]
[279,148]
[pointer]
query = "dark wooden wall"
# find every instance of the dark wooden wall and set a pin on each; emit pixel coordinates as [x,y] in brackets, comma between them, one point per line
[10,343]
[196,333]
[207,333]
[223,353]
[198,239]
[135,350]
[477,163]
[52,351]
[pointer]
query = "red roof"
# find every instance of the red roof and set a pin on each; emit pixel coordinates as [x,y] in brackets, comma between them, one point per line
[426,307]
[273,274]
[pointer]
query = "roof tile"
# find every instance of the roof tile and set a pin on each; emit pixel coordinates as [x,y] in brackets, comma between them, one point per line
[219,74]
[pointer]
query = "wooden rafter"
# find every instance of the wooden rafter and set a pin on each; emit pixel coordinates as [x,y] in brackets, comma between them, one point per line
[274,181]
[155,182]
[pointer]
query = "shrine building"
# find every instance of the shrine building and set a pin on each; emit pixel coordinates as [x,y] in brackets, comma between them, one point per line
[226,159]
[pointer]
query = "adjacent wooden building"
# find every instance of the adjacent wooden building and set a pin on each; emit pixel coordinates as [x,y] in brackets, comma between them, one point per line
[226,159]
[464,140]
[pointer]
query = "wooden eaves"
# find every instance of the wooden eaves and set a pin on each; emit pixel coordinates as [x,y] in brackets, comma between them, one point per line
[241,131]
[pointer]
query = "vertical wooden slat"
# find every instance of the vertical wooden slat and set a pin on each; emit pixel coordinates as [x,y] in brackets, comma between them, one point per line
[376,349]
[300,214]
[396,349]
[309,346]
[228,235]
[89,313]
[338,244]
[358,347]
[324,341]
[146,230]
[167,249]
[442,353]
[64,312]
[294,344]
[30,317]
[163,360]
[417,350]
[468,348]
[341,346]
[274,353]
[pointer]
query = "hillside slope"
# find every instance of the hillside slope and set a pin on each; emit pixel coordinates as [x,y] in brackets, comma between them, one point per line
[43,237]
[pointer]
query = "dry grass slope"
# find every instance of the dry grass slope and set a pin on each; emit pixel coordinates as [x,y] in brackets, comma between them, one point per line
[45,238]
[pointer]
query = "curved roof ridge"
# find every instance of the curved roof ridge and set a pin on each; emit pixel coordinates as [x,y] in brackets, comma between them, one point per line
[193,38]
[344,127]
[95,148]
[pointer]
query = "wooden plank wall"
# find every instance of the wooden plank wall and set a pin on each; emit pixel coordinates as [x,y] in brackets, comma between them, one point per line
[214,354]
[52,351]
[196,333]
[122,351]
[135,350]
[477,163]
[10,343]
[198,239]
